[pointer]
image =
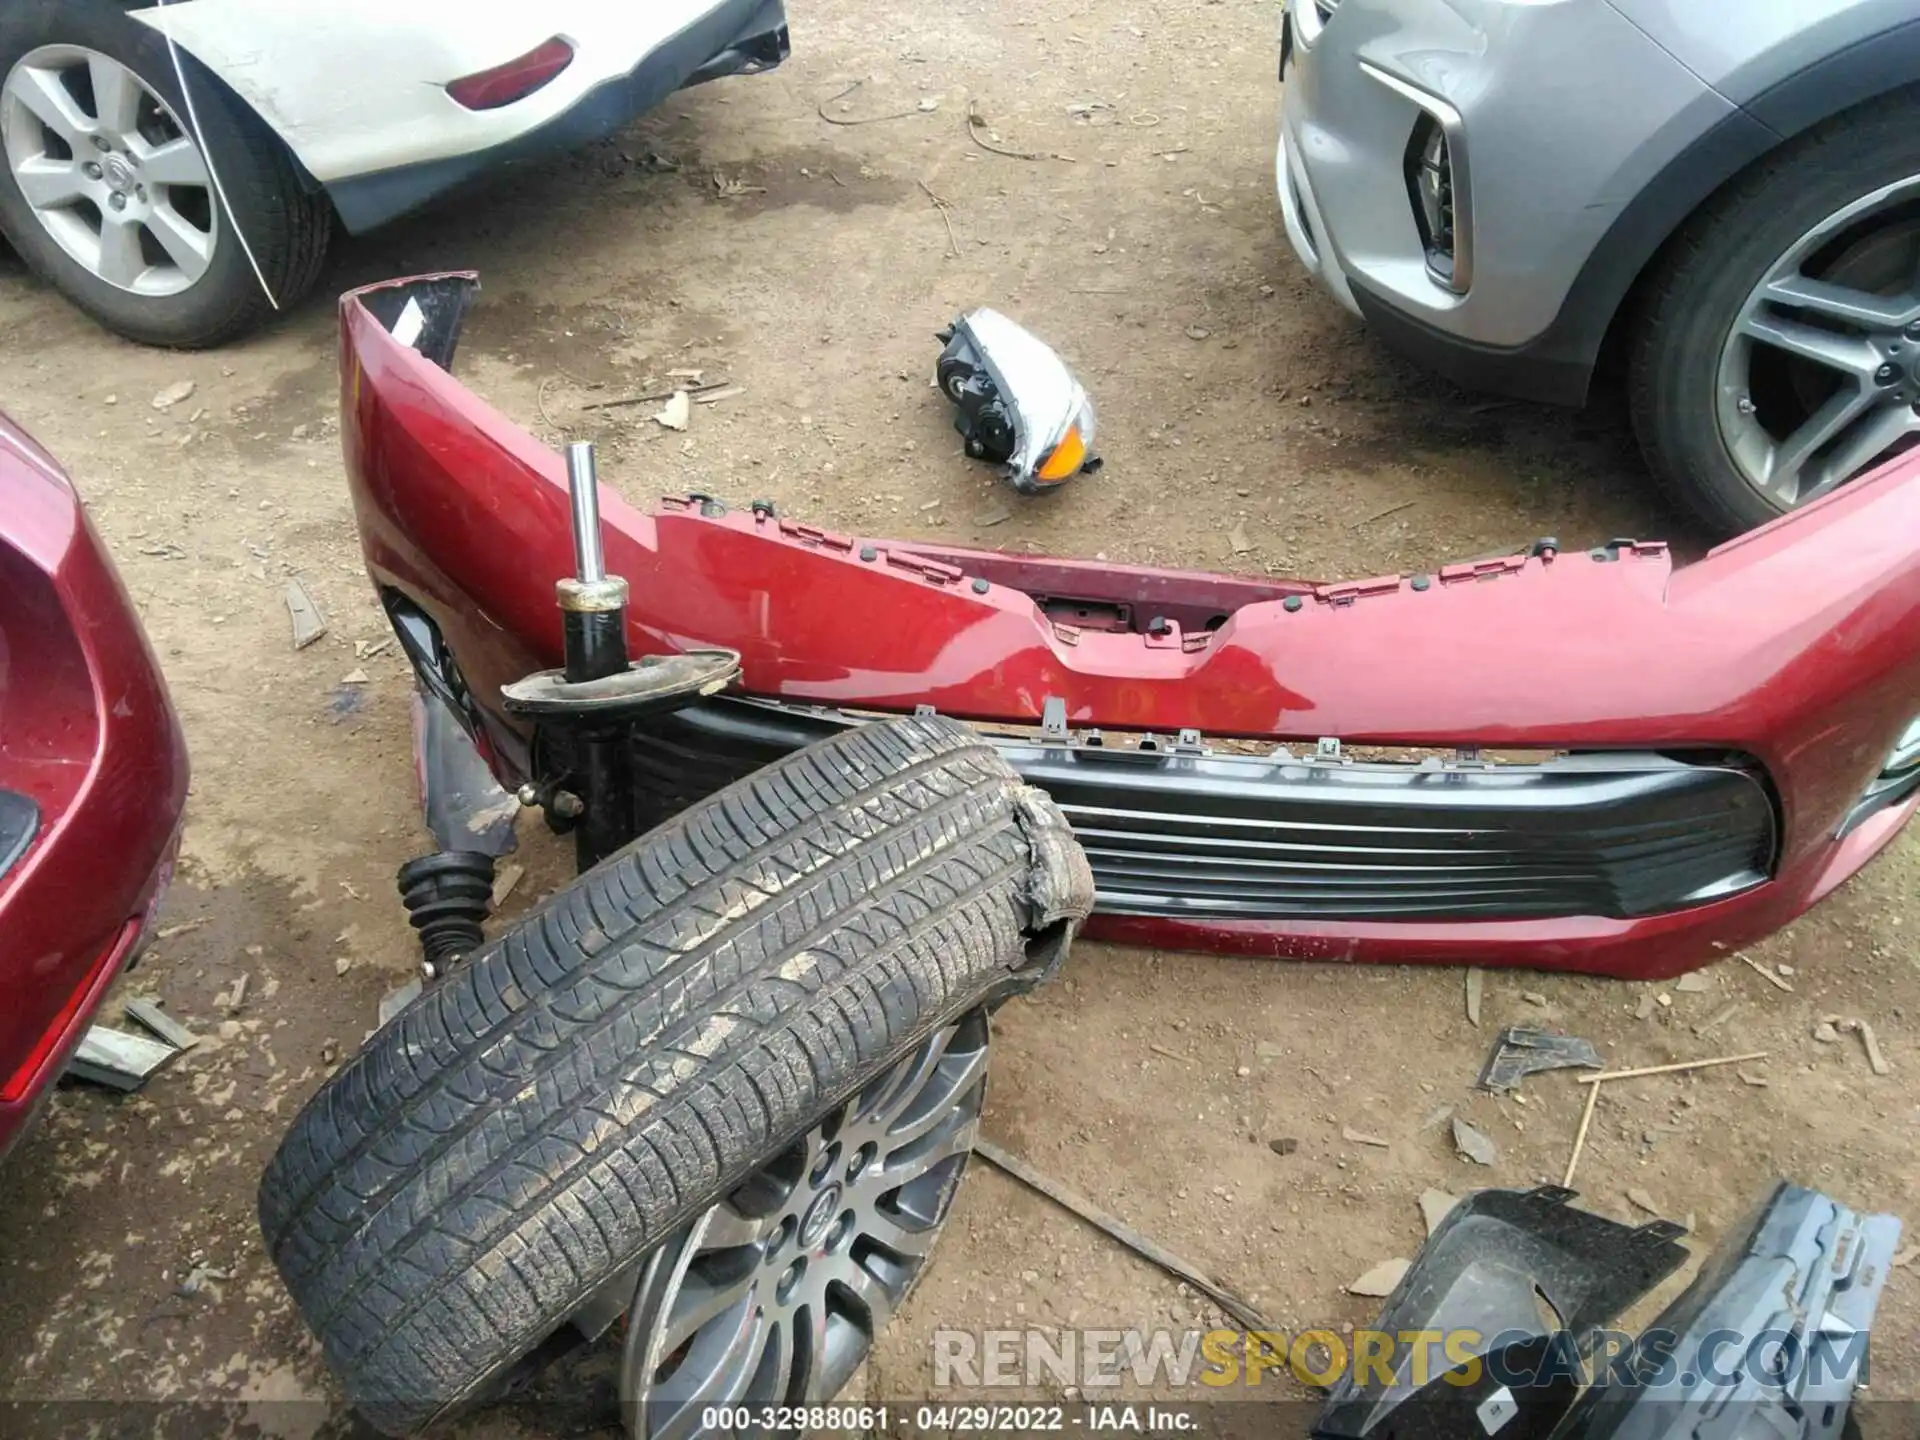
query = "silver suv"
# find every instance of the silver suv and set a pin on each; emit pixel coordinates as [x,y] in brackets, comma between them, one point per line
[1725,196]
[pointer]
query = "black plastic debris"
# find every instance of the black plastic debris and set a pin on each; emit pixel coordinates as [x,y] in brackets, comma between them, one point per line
[1519,1052]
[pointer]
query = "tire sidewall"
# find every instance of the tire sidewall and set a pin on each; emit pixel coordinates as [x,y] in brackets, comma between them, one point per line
[229,283]
[1676,367]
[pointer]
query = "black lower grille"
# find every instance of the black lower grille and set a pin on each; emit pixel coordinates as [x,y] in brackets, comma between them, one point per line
[1193,834]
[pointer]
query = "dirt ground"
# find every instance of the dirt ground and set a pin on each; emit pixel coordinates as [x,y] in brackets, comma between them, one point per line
[740,233]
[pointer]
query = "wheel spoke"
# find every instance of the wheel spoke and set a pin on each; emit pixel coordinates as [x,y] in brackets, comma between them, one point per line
[1844,303]
[1841,409]
[957,1073]
[1850,354]
[116,96]
[1861,446]
[725,1378]
[121,260]
[779,1348]
[908,1243]
[700,1302]
[816,1357]
[931,1148]
[187,247]
[727,1229]
[50,184]
[178,162]
[870,1293]
[899,1085]
[41,92]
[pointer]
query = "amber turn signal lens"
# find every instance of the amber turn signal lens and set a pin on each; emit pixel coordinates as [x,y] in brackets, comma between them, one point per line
[1065,461]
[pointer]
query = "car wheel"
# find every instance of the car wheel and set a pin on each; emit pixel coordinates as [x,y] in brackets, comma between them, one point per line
[492,1170]
[1778,346]
[115,195]
[774,1297]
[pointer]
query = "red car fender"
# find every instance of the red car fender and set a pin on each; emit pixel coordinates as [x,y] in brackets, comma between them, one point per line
[88,734]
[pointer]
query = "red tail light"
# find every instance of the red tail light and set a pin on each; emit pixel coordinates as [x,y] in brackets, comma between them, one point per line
[515,80]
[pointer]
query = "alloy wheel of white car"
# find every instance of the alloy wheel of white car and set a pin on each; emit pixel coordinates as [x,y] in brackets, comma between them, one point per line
[143,187]
[110,171]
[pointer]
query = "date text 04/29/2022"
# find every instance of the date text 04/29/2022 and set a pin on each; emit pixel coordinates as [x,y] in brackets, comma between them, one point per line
[949,1419]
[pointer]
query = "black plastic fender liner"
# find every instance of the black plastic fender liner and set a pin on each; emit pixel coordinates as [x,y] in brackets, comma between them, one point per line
[1534,1279]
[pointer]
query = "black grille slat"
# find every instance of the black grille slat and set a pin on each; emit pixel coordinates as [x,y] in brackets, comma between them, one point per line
[1269,837]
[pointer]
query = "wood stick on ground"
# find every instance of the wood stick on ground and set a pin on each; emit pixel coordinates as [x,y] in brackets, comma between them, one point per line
[1580,1137]
[859,119]
[943,206]
[1390,510]
[1673,1069]
[976,123]
[1140,1245]
[540,404]
[1766,974]
[655,395]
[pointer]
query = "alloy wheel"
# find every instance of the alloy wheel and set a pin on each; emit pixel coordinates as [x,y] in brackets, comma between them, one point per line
[776,1294]
[1819,376]
[109,171]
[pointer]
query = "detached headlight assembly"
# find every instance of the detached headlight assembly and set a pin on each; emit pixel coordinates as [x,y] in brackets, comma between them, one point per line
[1016,404]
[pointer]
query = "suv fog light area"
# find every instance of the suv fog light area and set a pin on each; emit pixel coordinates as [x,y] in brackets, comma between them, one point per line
[1430,184]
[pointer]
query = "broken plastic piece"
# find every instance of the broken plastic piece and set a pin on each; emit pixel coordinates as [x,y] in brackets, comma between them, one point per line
[307,624]
[1487,1269]
[1805,1269]
[1520,1052]
[149,1016]
[118,1059]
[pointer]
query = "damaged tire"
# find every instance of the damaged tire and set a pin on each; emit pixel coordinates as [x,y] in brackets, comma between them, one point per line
[640,1044]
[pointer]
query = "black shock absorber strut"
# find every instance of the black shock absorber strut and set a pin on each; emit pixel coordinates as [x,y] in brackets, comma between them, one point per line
[593,608]
[590,705]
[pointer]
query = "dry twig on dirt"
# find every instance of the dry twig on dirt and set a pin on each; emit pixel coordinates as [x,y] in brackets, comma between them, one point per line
[943,206]
[540,404]
[859,119]
[977,123]
[652,396]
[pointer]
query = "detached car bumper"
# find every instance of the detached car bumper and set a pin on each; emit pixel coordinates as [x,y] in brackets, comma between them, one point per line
[93,777]
[1569,760]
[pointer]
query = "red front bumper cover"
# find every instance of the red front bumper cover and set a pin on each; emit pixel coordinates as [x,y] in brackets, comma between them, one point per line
[1767,687]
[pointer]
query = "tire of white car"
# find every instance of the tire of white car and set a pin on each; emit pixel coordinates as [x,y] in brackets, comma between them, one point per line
[285,221]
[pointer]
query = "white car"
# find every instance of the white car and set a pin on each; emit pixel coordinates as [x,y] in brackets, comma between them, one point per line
[177,170]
